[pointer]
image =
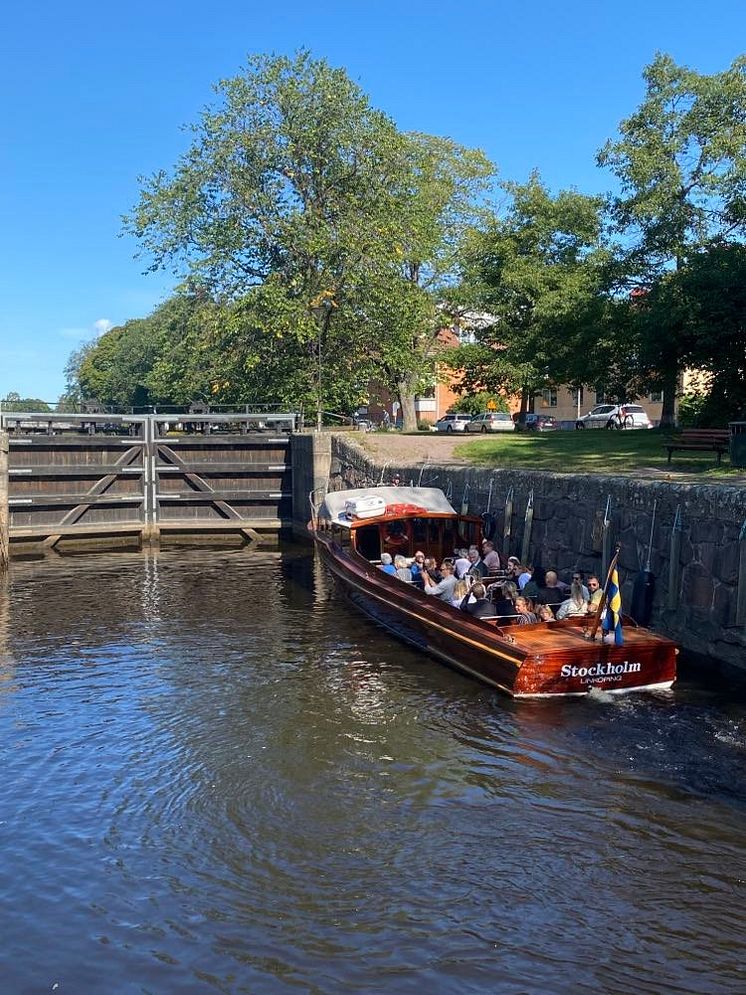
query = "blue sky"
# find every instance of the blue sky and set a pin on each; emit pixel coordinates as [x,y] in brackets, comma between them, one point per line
[96,95]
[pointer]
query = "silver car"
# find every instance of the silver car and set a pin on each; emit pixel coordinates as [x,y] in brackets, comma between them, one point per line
[491,421]
[452,423]
[615,416]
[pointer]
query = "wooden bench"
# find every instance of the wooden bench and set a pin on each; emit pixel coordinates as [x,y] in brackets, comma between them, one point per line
[714,440]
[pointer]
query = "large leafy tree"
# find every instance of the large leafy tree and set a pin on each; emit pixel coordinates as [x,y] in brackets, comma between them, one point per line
[681,162]
[539,271]
[703,304]
[285,200]
[439,199]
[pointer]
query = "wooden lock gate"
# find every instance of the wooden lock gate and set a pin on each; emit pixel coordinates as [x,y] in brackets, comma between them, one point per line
[113,479]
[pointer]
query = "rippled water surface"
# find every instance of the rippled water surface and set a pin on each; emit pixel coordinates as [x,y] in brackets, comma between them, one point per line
[216,778]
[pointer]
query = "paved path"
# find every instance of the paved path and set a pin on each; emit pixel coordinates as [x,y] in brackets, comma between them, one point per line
[433,447]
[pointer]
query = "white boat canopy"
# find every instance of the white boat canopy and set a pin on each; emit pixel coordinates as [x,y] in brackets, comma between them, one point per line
[431,499]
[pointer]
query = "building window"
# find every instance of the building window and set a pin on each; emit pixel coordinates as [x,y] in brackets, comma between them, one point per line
[549,397]
[656,396]
[600,395]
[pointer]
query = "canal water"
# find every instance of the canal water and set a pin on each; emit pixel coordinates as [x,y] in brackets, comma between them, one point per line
[217,779]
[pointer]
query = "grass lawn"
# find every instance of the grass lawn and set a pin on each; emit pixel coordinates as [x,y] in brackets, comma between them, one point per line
[595,451]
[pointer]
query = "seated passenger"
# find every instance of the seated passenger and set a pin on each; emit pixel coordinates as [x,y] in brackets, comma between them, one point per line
[462,563]
[460,591]
[432,570]
[545,613]
[416,567]
[387,565]
[504,604]
[551,593]
[477,569]
[524,573]
[402,570]
[575,605]
[444,588]
[480,606]
[491,557]
[523,611]
[577,578]
[594,593]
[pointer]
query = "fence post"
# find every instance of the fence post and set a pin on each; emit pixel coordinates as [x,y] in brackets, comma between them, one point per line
[4,516]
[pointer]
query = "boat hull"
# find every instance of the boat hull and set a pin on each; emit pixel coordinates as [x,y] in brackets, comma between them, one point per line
[542,660]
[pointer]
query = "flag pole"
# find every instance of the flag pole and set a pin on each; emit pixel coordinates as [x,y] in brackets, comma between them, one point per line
[605,593]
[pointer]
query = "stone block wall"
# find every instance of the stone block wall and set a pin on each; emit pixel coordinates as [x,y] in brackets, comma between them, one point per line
[701,612]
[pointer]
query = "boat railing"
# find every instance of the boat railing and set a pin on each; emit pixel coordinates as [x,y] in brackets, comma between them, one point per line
[315,500]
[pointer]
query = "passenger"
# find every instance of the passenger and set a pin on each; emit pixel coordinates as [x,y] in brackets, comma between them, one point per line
[387,565]
[491,558]
[577,578]
[551,594]
[525,573]
[416,567]
[531,589]
[477,569]
[575,605]
[545,613]
[504,605]
[444,588]
[479,604]
[460,591]
[594,593]
[523,611]
[431,567]
[462,564]
[402,570]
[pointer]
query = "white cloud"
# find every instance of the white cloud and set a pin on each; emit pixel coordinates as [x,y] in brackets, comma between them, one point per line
[98,327]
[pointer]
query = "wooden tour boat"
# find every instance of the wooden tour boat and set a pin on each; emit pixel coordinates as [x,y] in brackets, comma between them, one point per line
[567,657]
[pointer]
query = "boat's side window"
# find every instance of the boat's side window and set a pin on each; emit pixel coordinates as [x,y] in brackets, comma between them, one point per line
[367,542]
[340,535]
[419,532]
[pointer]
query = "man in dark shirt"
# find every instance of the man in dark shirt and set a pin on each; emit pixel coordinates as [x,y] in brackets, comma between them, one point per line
[551,594]
[477,569]
[481,607]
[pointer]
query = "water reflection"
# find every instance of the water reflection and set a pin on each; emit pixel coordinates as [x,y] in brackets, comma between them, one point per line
[219,778]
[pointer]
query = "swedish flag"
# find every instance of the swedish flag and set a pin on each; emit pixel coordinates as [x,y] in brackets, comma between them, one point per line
[612,620]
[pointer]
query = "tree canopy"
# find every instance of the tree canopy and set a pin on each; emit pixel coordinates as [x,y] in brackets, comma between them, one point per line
[322,249]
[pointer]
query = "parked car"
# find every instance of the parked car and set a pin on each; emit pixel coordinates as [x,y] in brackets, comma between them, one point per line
[491,421]
[452,423]
[529,421]
[615,416]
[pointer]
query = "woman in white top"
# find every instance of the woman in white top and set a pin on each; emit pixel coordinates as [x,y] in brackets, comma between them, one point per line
[576,604]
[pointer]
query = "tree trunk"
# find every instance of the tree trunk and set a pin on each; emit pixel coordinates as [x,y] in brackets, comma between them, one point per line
[406,389]
[670,386]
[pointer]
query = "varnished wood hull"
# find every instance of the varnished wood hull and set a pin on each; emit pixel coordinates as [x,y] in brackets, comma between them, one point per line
[545,659]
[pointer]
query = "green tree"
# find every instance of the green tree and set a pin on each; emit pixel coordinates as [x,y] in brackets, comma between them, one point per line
[439,196]
[539,272]
[681,163]
[703,304]
[285,196]
[14,402]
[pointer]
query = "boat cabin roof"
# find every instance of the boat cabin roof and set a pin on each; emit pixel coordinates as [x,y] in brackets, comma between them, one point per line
[401,502]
